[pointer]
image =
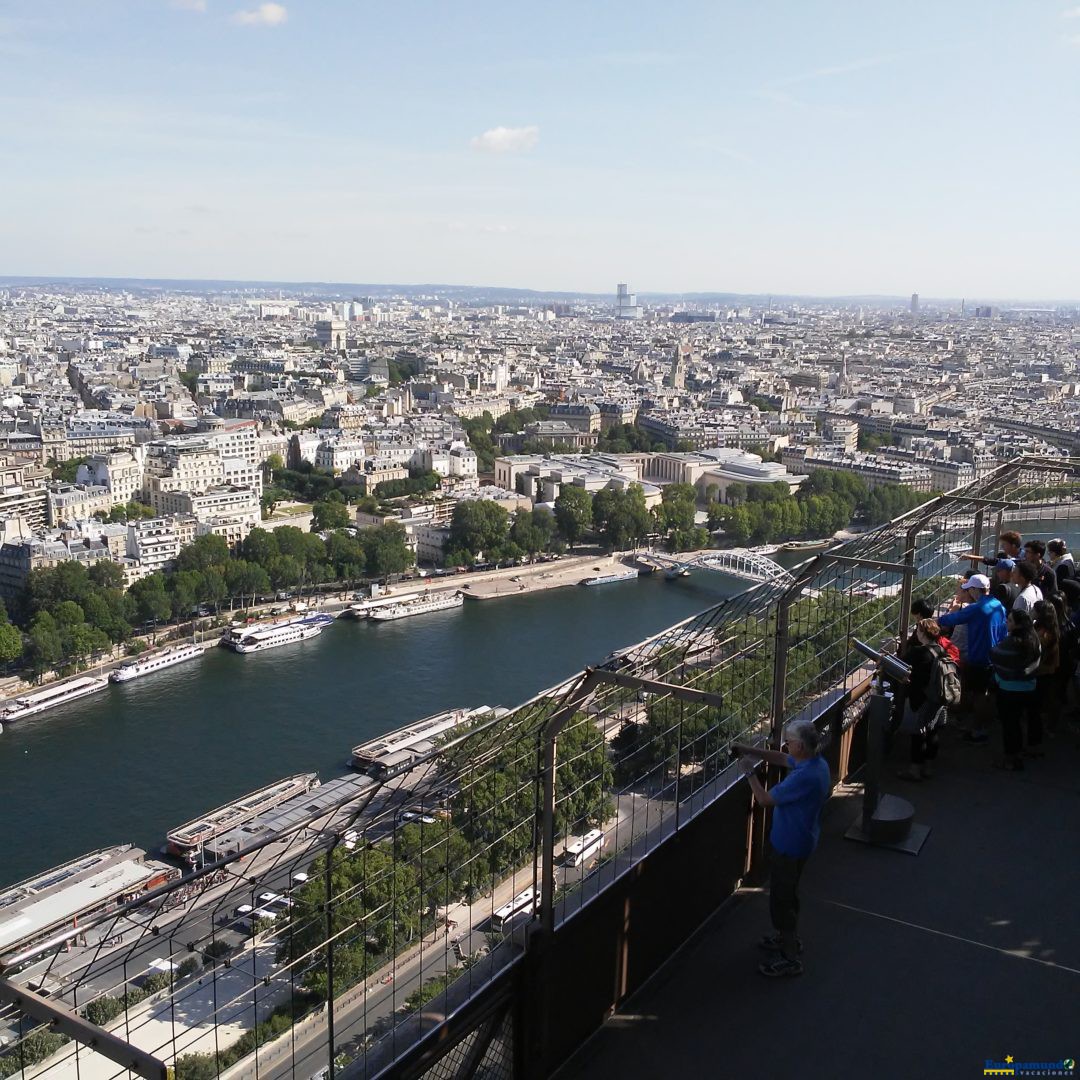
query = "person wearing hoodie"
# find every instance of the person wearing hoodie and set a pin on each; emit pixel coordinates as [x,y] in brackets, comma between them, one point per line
[924,714]
[1015,660]
[1061,560]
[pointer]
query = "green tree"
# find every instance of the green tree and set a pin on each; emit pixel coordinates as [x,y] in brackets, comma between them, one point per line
[243,579]
[11,642]
[152,603]
[103,1009]
[107,574]
[330,514]
[66,471]
[214,587]
[478,526]
[43,646]
[387,550]
[573,513]
[621,516]
[260,546]
[187,589]
[203,552]
[527,535]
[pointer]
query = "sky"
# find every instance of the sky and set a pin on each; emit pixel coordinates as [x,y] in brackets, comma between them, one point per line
[824,148]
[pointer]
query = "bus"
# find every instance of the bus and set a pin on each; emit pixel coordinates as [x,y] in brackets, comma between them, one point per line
[524,901]
[584,848]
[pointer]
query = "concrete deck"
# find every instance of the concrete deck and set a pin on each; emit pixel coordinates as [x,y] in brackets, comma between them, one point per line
[919,966]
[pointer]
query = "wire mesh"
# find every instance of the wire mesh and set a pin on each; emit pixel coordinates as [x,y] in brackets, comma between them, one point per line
[338,943]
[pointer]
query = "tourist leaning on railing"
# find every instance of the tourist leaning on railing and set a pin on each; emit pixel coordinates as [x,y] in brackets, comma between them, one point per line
[797,801]
[984,618]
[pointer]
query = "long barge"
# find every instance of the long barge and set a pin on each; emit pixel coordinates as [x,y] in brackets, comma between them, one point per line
[423,606]
[611,578]
[39,700]
[261,636]
[397,749]
[136,669]
[59,898]
[187,840]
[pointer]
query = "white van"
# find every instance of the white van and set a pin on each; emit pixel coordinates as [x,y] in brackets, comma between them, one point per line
[273,901]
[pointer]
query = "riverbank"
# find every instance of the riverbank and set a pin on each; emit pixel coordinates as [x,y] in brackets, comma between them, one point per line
[538,578]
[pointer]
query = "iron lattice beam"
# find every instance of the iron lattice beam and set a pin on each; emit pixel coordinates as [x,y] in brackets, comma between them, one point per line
[654,686]
[69,1023]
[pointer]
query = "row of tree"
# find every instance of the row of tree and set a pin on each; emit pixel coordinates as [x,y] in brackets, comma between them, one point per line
[481,527]
[826,502]
[70,613]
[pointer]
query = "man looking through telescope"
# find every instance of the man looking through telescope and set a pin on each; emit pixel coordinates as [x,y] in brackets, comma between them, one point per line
[797,801]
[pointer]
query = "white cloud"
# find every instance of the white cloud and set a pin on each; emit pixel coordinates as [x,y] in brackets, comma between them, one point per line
[506,140]
[189,5]
[1073,39]
[263,15]
[1071,13]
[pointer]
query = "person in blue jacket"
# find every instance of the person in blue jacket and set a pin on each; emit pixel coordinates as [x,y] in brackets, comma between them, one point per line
[796,801]
[985,620]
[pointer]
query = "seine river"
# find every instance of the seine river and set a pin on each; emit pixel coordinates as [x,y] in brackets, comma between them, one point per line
[130,763]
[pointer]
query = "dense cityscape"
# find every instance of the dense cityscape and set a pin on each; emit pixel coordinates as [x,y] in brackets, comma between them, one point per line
[326,440]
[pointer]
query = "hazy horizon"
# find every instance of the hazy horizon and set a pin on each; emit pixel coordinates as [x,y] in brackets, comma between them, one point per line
[826,150]
[30,280]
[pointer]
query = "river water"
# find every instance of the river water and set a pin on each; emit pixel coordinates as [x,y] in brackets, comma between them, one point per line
[128,764]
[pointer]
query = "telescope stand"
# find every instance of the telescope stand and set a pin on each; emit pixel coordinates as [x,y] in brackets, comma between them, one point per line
[887,821]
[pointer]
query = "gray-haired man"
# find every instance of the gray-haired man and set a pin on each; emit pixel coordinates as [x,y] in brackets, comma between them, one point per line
[797,801]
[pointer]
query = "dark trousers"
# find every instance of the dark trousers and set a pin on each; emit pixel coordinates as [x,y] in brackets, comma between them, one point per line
[1013,707]
[924,746]
[784,874]
[1049,694]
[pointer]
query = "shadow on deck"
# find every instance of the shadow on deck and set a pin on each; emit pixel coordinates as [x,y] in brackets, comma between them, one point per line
[915,966]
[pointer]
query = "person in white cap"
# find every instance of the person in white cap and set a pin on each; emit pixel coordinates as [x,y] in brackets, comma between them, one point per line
[984,618]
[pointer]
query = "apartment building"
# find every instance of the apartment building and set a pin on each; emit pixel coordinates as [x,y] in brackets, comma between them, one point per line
[119,472]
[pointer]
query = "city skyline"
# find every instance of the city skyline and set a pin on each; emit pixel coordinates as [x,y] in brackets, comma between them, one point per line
[812,154]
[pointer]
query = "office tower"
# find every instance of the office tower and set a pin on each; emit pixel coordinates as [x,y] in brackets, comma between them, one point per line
[626,305]
[914,303]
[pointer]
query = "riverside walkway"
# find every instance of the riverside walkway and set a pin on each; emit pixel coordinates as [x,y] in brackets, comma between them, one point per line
[915,966]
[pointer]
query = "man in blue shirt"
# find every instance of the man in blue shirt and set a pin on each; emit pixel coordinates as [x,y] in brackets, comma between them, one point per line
[984,618]
[797,801]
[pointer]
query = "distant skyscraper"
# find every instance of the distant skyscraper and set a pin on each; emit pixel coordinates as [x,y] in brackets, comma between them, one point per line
[626,305]
[914,303]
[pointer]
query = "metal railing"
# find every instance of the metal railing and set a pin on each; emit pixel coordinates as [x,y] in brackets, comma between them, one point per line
[355,941]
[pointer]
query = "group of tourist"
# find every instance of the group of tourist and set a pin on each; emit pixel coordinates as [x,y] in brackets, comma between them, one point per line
[1015,655]
[1016,634]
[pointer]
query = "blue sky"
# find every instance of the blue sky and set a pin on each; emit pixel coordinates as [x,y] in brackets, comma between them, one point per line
[819,148]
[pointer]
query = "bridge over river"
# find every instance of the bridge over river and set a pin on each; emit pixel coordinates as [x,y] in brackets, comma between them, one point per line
[749,564]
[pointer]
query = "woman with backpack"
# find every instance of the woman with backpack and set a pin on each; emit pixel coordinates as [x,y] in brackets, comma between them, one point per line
[1015,660]
[1048,687]
[925,705]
